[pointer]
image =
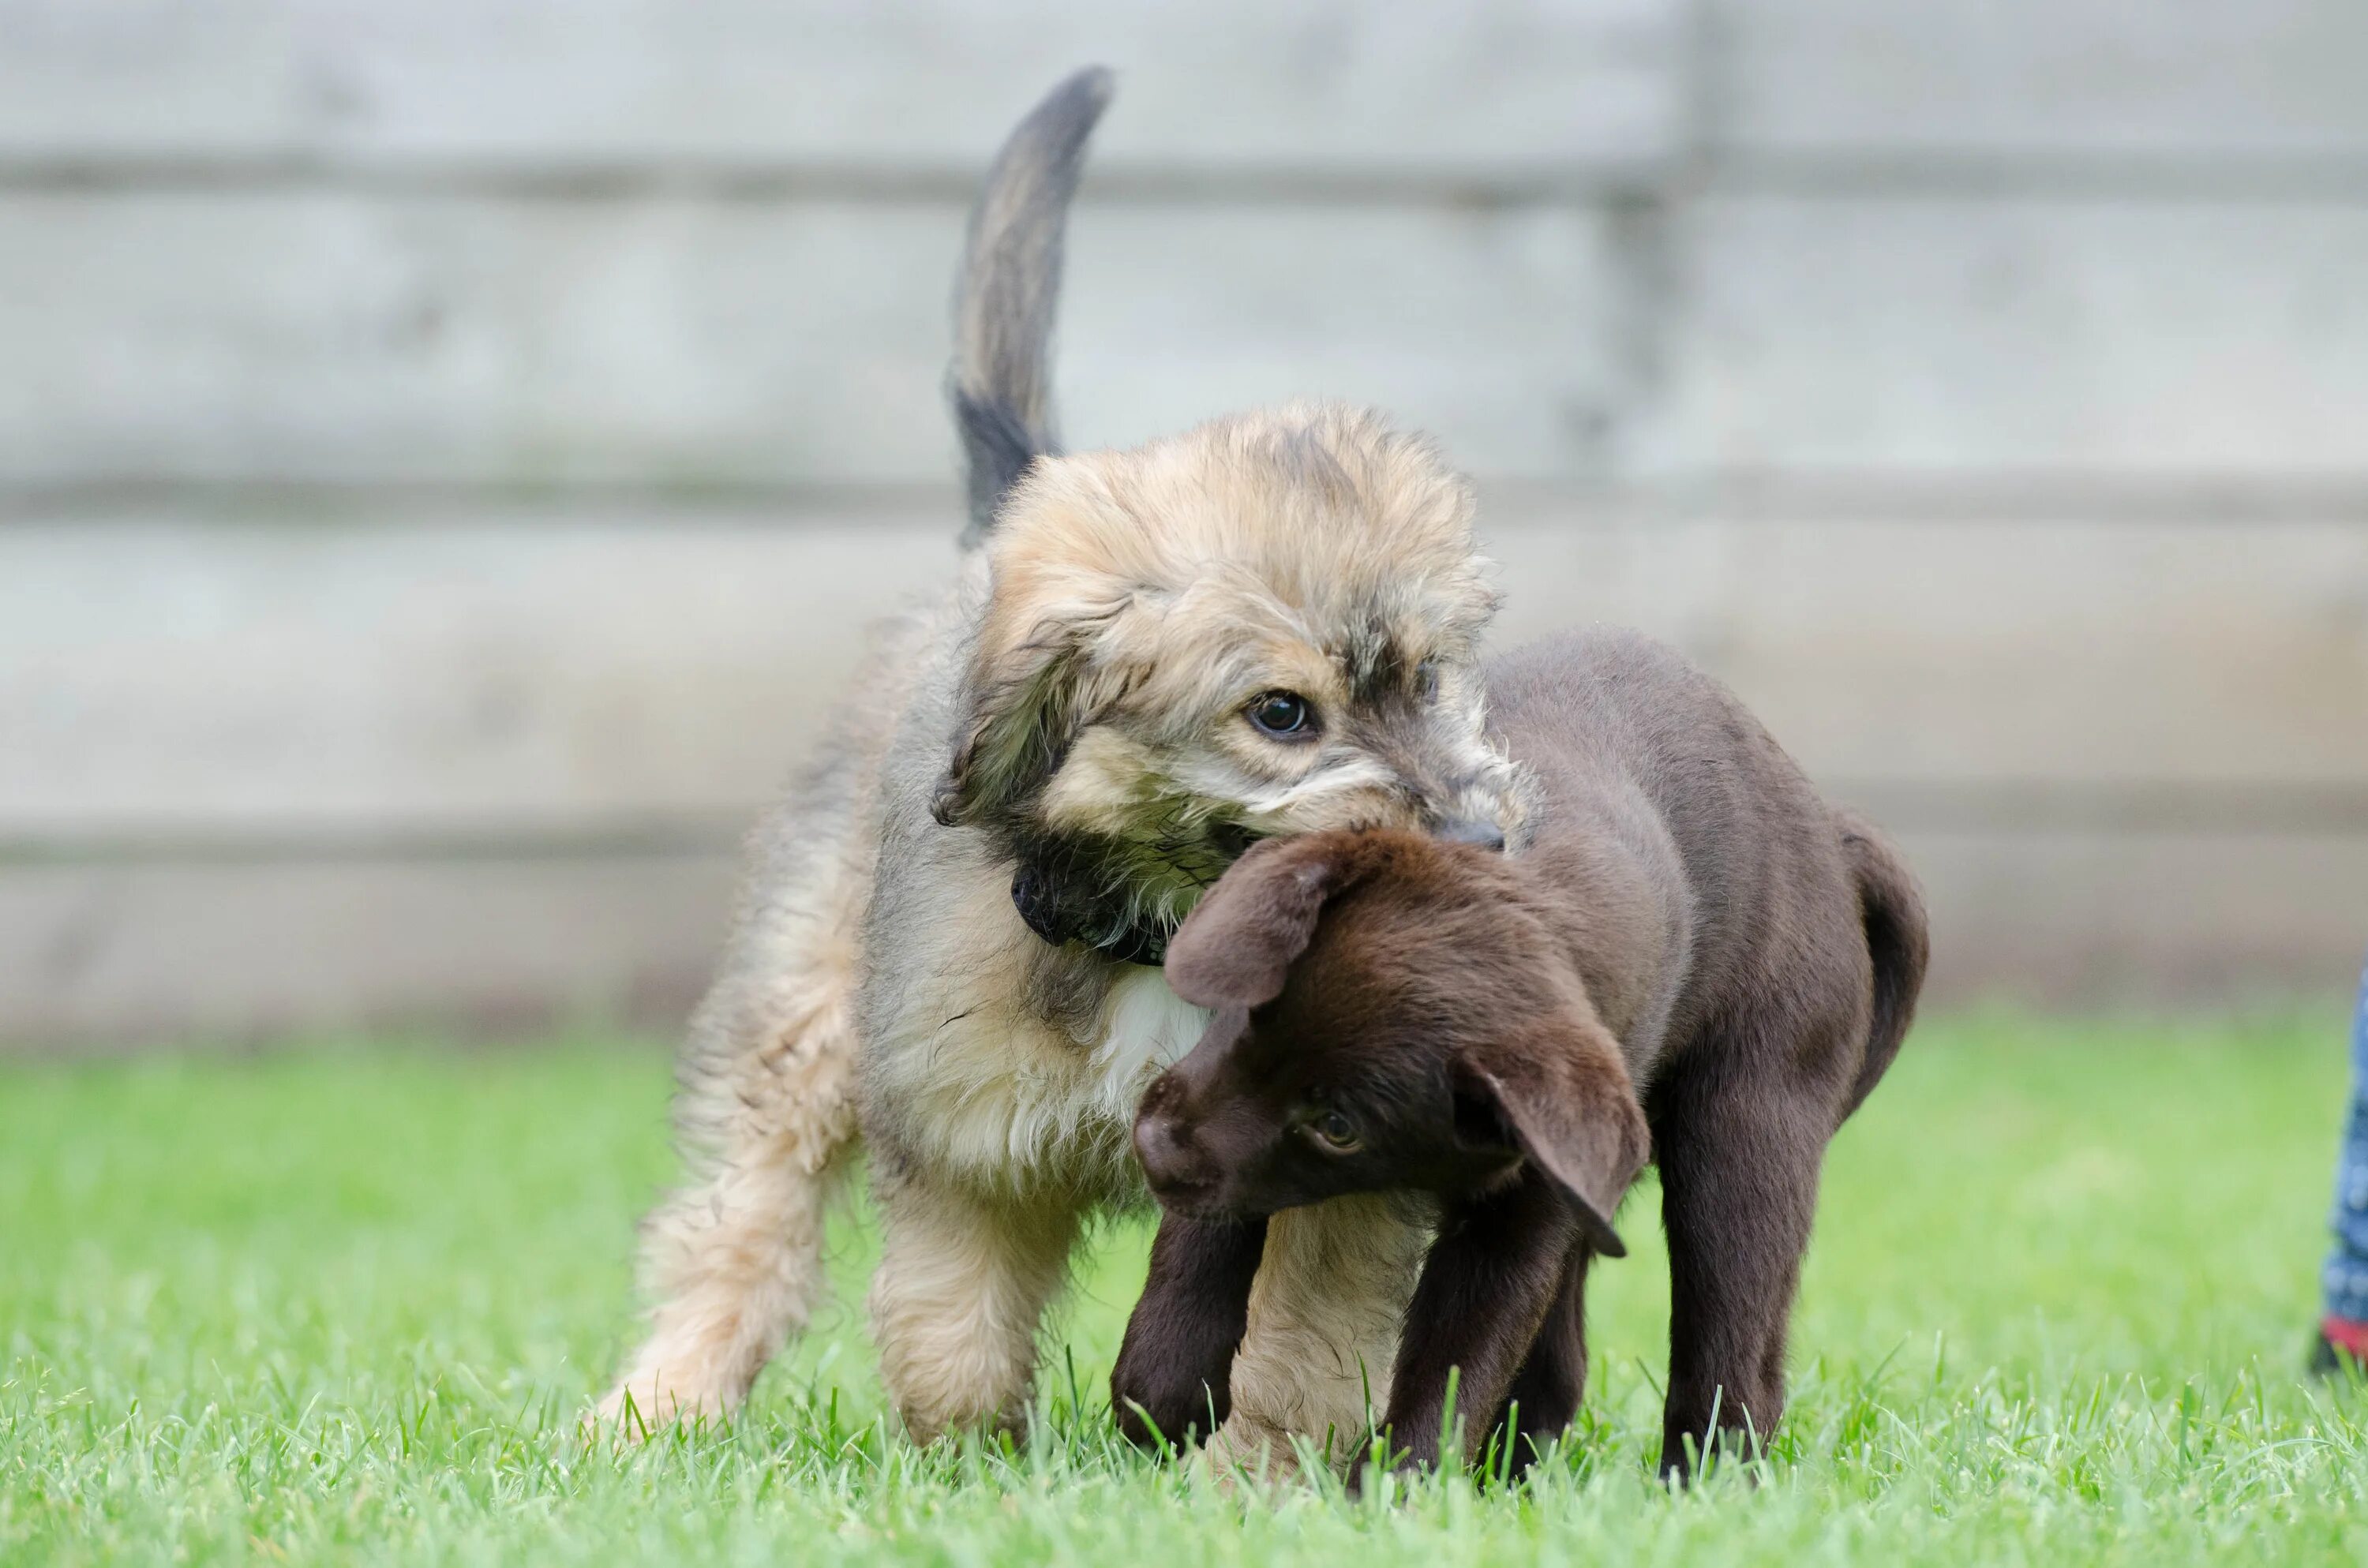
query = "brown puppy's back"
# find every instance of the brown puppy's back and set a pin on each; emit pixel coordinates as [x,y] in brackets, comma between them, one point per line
[1635,757]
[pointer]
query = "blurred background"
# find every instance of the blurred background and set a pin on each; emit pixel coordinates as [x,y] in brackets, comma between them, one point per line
[450,448]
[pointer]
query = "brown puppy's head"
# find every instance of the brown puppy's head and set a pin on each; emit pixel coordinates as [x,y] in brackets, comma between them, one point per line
[1264,627]
[1391,1012]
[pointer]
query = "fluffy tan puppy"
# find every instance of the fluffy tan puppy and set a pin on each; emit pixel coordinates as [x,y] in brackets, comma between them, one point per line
[945,944]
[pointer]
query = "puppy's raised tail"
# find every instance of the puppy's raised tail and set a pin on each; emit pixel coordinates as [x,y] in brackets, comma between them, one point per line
[1009,286]
[1897,940]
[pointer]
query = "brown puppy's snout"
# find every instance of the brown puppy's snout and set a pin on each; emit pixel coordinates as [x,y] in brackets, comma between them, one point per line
[1173,1162]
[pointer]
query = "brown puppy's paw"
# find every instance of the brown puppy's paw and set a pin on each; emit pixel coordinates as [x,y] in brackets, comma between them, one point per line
[1178,1414]
[1361,1468]
[1171,1389]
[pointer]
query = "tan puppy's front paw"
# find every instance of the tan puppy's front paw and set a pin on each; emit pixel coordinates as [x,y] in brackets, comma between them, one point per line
[645,1401]
[1247,1455]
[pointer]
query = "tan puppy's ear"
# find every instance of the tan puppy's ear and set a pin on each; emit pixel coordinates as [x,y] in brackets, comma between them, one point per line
[1238,944]
[1562,1090]
[1031,687]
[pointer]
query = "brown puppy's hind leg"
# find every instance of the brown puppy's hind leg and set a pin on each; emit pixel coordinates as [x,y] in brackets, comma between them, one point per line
[1739,1153]
[1174,1369]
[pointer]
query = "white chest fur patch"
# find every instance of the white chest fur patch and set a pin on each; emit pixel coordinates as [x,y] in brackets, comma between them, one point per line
[1001,1102]
[1146,1026]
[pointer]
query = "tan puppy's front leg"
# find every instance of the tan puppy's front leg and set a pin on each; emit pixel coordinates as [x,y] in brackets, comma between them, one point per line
[962,1287]
[1323,1331]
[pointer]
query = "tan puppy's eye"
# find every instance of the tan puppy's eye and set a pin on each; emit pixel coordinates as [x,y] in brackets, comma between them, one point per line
[1334,1131]
[1281,716]
[1426,680]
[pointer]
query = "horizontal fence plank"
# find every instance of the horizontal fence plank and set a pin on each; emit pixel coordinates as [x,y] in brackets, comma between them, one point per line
[132,955]
[482,341]
[1971,337]
[633,677]
[2191,80]
[2087,920]
[1999,654]
[467,341]
[532,672]
[1305,82]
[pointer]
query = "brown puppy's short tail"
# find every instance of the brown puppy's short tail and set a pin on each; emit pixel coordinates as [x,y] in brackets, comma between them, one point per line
[1010,282]
[1896,938]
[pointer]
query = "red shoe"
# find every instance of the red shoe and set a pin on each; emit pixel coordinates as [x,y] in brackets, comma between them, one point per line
[2343,1348]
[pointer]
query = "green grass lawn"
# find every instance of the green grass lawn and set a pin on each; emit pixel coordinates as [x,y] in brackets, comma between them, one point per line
[347,1305]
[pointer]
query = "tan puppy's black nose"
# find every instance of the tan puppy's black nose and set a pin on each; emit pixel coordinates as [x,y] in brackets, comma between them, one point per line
[1470,830]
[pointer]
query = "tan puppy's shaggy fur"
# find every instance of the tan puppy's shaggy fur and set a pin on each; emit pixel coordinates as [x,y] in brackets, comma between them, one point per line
[1081,699]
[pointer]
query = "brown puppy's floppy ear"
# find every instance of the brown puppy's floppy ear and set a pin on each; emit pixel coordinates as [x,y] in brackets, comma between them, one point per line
[1027,695]
[1564,1092]
[1239,942]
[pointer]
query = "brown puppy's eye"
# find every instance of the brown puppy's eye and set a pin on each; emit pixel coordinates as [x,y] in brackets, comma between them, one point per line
[1426,675]
[1334,1131]
[1282,715]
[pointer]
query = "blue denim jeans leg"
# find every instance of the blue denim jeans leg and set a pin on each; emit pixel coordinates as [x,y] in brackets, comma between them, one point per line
[2346,1279]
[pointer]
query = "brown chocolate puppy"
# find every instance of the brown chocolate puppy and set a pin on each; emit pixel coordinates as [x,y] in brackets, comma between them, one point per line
[1691,956]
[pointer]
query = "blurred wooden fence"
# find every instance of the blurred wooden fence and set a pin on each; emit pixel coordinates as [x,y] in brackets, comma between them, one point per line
[448,451]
